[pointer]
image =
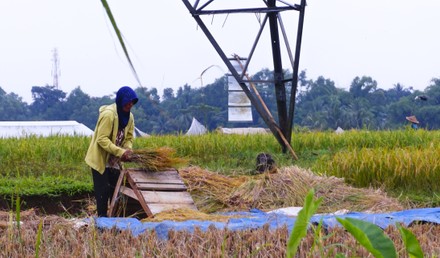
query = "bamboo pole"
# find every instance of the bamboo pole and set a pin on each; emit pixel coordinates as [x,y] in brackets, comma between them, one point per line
[283,138]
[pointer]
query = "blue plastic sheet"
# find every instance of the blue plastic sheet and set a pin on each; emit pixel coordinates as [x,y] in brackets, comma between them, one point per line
[254,219]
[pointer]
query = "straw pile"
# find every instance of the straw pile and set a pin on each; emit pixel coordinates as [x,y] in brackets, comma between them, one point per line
[156,159]
[208,189]
[185,214]
[287,188]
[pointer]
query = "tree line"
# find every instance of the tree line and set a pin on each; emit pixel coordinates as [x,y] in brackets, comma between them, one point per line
[320,105]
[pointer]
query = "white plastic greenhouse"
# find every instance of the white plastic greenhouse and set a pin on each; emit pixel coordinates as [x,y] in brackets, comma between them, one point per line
[19,129]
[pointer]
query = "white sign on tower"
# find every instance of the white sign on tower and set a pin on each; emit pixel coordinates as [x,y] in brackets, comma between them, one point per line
[239,105]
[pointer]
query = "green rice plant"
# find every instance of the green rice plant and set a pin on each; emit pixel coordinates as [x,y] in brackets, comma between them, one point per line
[44,185]
[18,221]
[38,240]
[17,215]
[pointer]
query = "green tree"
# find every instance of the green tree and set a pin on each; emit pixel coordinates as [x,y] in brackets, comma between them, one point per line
[147,110]
[319,105]
[47,103]
[362,90]
[397,92]
[168,94]
[362,87]
[12,107]
[80,107]
[428,112]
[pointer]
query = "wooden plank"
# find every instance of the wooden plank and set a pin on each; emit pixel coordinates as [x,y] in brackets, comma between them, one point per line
[141,170]
[157,191]
[161,187]
[139,195]
[129,192]
[144,176]
[156,177]
[110,211]
[157,208]
[167,197]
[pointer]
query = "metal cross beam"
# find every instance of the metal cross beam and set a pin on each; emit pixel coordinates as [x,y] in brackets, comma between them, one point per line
[272,16]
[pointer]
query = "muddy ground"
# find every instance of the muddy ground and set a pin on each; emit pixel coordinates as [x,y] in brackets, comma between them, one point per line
[74,205]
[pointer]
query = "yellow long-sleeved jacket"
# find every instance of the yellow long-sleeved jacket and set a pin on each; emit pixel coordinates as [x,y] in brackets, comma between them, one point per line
[104,138]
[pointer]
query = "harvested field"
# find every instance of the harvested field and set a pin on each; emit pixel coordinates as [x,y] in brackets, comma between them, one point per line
[67,238]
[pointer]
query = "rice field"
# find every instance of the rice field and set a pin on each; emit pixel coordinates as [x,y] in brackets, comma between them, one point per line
[404,168]
[390,160]
[360,170]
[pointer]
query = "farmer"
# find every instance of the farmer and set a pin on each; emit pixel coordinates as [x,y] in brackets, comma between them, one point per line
[111,143]
[414,122]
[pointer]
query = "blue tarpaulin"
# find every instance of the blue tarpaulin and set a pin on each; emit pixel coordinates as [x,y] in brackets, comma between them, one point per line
[257,219]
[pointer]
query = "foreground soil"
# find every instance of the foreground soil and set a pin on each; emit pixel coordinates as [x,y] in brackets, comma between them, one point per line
[76,205]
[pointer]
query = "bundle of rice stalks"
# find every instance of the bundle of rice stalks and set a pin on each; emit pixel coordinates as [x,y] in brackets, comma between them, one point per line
[268,191]
[209,190]
[212,192]
[156,159]
[184,214]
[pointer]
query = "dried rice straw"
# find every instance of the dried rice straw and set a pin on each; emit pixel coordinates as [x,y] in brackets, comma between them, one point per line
[156,159]
[212,192]
[184,214]
[209,189]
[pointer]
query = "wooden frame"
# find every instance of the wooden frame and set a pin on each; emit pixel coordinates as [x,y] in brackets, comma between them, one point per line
[155,191]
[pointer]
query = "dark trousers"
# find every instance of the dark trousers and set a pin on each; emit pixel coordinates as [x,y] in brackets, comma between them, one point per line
[104,186]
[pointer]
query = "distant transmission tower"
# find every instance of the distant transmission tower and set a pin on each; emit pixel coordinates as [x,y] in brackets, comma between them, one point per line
[56,73]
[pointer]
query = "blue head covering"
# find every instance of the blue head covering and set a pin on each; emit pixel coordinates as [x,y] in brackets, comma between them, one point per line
[124,96]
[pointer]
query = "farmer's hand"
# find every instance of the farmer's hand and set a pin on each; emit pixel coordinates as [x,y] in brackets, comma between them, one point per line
[127,155]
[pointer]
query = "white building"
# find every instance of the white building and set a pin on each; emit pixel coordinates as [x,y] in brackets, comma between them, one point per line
[18,129]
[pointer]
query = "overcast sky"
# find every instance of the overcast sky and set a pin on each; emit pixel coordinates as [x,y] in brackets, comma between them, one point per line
[393,41]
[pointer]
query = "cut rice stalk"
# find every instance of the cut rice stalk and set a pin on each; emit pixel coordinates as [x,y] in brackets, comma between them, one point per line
[156,159]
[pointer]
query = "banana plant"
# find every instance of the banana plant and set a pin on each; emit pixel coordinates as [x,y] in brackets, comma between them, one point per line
[369,235]
[299,230]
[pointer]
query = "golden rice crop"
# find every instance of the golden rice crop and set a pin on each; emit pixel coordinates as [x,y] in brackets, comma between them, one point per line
[409,168]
